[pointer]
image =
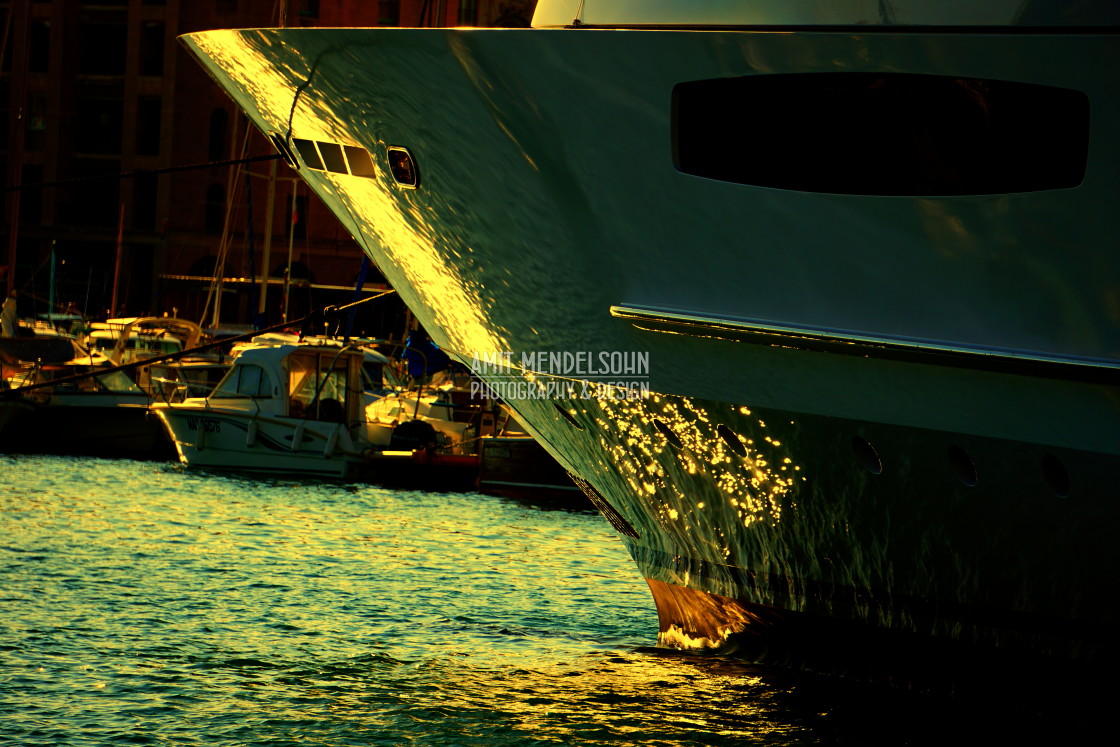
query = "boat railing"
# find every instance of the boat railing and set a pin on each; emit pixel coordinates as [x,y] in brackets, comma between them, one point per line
[174,391]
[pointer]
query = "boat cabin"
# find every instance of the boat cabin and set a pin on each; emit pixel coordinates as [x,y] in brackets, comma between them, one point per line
[297,381]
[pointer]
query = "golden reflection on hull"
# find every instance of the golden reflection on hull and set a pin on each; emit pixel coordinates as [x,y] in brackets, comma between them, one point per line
[694,620]
[730,510]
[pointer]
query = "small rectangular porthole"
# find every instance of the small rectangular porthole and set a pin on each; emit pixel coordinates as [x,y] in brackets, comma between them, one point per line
[308,153]
[333,160]
[360,162]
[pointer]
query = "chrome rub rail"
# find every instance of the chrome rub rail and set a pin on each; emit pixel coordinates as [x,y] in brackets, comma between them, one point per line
[819,339]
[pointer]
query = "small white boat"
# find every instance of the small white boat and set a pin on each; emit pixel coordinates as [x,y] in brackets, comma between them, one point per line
[298,409]
[129,339]
[76,402]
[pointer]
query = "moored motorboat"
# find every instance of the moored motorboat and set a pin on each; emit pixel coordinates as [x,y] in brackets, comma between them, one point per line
[300,409]
[75,402]
[866,248]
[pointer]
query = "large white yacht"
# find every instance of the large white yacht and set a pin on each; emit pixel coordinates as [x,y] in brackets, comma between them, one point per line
[864,254]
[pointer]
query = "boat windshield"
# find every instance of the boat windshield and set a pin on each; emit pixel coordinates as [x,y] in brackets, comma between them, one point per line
[245,380]
[118,382]
[318,385]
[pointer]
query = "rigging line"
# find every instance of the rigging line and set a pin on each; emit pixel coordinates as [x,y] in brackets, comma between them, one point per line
[142,172]
[295,99]
[232,189]
[299,92]
[329,311]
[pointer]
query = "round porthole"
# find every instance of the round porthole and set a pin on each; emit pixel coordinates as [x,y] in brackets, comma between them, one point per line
[669,434]
[568,416]
[731,438]
[403,167]
[867,455]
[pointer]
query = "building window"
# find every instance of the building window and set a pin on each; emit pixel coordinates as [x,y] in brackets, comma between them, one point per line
[36,135]
[219,124]
[6,62]
[881,133]
[148,112]
[468,12]
[39,46]
[98,126]
[101,47]
[389,13]
[151,48]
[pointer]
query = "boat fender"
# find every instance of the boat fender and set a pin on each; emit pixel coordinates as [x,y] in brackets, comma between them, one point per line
[251,434]
[297,438]
[332,443]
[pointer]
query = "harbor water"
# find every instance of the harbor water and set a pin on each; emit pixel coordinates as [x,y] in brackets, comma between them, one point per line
[144,604]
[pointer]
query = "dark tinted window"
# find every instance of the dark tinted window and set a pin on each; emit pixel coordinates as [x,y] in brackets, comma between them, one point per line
[360,162]
[388,13]
[332,157]
[39,46]
[148,113]
[101,47]
[35,138]
[99,122]
[881,134]
[308,153]
[151,48]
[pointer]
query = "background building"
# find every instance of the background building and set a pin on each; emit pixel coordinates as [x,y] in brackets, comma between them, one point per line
[117,152]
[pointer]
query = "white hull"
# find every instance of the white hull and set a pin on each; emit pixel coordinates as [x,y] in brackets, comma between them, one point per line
[921,392]
[246,443]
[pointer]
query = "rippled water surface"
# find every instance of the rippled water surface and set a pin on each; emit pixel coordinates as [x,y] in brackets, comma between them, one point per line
[143,604]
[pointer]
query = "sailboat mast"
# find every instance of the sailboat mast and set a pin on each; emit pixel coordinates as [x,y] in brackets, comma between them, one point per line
[50,290]
[262,303]
[116,263]
[291,242]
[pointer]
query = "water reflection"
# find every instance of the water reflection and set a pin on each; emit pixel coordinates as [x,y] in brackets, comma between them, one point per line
[142,602]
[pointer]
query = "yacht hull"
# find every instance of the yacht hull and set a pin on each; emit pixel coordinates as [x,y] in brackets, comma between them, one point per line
[890,413]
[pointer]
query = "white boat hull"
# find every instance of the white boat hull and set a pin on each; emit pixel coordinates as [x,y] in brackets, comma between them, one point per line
[261,445]
[891,412]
